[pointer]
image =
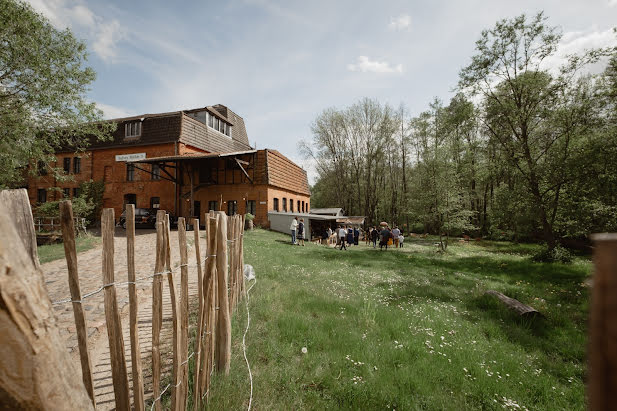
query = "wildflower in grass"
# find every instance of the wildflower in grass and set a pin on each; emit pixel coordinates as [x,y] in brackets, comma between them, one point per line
[304,350]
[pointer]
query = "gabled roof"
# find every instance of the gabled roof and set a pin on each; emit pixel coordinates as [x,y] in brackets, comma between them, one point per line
[284,173]
[328,211]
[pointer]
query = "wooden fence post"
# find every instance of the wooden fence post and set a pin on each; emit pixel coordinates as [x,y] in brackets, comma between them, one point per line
[68,238]
[231,228]
[138,381]
[223,334]
[112,315]
[184,316]
[36,371]
[210,295]
[16,204]
[157,308]
[200,317]
[242,290]
[174,313]
[603,324]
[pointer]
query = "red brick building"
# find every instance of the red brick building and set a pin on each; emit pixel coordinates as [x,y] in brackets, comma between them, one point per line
[186,162]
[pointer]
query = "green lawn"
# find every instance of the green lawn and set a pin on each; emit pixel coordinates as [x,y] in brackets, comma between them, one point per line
[407,329]
[53,252]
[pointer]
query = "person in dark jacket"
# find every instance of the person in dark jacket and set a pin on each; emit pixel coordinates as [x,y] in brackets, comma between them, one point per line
[374,235]
[356,236]
[385,236]
[300,235]
[349,235]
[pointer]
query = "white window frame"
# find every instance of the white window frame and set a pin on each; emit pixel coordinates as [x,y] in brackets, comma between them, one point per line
[132,129]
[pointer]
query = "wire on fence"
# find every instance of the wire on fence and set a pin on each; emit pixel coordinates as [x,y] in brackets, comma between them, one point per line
[118,284]
[248,323]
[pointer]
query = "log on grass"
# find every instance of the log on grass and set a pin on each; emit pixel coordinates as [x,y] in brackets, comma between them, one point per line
[521,309]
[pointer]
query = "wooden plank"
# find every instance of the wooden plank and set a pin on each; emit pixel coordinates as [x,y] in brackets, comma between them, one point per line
[184,316]
[37,372]
[112,315]
[68,238]
[223,332]
[138,380]
[157,307]
[520,308]
[16,204]
[174,314]
[602,325]
[200,317]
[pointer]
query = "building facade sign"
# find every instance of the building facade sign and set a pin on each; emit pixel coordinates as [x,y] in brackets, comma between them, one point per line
[130,157]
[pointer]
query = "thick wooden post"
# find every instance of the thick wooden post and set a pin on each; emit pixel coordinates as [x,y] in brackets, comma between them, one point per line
[138,380]
[36,371]
[223,332]
[200,317]
[68,238]
[603,324]
[16,204]
[112,314]
[174,314]
[184,316]
[157,307]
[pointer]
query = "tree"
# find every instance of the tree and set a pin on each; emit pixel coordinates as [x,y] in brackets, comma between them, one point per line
[532,114]
[43,85]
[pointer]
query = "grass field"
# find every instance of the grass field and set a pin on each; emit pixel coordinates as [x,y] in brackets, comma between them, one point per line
[53,252]
[407,329]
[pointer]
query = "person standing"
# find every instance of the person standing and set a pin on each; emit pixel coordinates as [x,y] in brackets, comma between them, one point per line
[341,236]
[395,233]
[374,235]
[385,236]
[293,227]
[349,235]
[400,240]
[301,232]
[356,236]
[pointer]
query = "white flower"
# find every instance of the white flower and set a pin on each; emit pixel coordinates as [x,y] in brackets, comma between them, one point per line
[304,350]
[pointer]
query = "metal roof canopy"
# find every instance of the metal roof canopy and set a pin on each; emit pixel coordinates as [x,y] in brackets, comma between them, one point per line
[187,157]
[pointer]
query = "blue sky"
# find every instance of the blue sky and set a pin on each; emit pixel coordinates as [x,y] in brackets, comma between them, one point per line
[279,64]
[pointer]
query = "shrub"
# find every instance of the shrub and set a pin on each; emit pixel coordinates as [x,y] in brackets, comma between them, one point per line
[558,254]
[249,217]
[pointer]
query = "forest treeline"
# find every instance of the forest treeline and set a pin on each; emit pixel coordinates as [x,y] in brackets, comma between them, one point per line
[525,150]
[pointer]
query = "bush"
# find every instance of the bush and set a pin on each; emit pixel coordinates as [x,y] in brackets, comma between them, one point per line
[88,205]
[249,217]
[558,254]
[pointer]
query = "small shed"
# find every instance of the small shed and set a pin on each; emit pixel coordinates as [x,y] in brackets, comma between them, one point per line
[315,224]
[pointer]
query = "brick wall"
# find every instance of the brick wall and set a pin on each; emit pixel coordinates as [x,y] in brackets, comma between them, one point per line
[73,180]
[113,172]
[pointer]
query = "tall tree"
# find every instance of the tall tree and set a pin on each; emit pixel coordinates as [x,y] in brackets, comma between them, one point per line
[522,102]
[43,85]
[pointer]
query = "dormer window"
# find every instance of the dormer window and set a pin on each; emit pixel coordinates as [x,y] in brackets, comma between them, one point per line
[132,129]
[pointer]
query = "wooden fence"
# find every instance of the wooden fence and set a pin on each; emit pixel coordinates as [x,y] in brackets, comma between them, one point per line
[220,283]
[46,224]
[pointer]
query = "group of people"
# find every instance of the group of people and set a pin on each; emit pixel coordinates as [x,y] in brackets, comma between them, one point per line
[385,235]
[346,236]
[297,231]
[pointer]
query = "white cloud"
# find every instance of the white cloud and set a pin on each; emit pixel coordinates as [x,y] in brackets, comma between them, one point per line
[576,42]
[75,14]
[612,3]
[402,22]
[110,112]
[364,64]
[107,36]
